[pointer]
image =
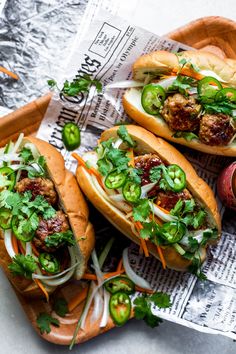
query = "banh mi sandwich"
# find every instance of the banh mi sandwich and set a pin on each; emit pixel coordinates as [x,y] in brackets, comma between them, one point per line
[152,194]
[188,98]
[45,234]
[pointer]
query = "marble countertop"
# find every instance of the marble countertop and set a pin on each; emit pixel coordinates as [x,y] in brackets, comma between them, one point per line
[16,333]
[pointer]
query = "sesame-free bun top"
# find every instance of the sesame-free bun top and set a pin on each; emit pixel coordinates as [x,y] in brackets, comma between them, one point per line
[163,62]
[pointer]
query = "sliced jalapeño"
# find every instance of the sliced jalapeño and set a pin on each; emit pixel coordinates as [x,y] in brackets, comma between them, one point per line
[152,98]
[115,180]
[173,232]
[131,191]
[120,308]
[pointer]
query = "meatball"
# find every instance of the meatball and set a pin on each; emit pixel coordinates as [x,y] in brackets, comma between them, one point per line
[215,129]
[168,199]
[58,223]
[145,163]
[181,113]
[38,186]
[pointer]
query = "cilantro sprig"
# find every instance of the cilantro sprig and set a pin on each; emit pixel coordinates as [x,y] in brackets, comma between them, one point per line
[81,84]
[44,321]
[143,307]
[59,238]
[122,132]
[23,266]
[189,213]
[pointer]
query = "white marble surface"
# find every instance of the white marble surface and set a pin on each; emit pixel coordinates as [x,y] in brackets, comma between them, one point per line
[16,333]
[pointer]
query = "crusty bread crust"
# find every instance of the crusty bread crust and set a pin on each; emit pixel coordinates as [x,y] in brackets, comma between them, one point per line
[73,204]
[163,62]
[148,143]
[157,125]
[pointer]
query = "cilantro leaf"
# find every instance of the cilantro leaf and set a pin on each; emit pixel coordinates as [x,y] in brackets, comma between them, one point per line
[125,136]
[150,231]
[143,304]
[60,306]
[44,320]
[161,300]
[81,84]
[26,155]
[155,174]
[199,219]
[134,175]
[141,210]
[104,166]
[59,238]
[181,84]
[189,136]
[23,265]
[52,83]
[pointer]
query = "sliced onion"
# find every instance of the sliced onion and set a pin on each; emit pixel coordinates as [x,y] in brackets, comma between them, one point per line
[10,157]
[161,214]
[147,188]
[117,143]
[33,149]
[117,197]
[89,302]
[18,143]
[8,243]
[91,157]
[167,82]
[198,235]
[126,84]
[97,268]
[139,281]
[28,248]
[55,280]
[98,304]
[212,74]
[105,315]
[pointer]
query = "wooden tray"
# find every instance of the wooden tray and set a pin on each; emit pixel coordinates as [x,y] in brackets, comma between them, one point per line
[215,34]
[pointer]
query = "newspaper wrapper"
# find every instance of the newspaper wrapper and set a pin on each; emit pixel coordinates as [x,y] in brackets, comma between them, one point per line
[107,52]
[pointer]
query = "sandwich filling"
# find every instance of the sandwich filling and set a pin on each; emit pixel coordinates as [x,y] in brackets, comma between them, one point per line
[153,195]
[36,230]
[194,107]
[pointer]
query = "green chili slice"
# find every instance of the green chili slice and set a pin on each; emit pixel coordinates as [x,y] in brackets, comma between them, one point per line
[131,191]
[228,94]
[49,262]
[173,231]
[115,180]
[207,88]
[71,136]
[120,283]
[5,218]
[7,178]
[152,98]
[178,178]
[120,308]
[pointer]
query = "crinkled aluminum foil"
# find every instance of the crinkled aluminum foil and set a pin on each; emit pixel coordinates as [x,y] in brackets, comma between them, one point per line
[36,37]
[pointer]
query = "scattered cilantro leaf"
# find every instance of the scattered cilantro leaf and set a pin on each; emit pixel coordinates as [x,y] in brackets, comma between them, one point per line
[125,136]
[150,231]
[59,238]
[44,320]
[60,306]
[181,85]
[23,265]
[134,175]
[143,304]
[141,210]
[52,83]
[26,155]
[104,166]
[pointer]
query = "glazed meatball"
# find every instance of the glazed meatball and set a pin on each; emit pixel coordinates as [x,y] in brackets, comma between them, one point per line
[38,186]
[58,223]
[215,129]
[181,113]
[146,163]
[168,199]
